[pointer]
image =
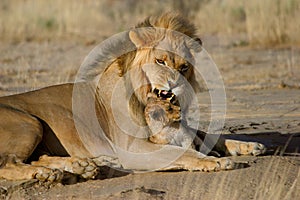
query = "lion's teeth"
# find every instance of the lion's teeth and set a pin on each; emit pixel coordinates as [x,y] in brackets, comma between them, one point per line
[173,99]
[164,92]
[165,95]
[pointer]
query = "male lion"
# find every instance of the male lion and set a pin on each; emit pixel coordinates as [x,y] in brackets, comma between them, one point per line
[158,85]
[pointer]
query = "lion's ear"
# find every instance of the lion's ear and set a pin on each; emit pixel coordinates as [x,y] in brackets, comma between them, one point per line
[136,39]
[147,36]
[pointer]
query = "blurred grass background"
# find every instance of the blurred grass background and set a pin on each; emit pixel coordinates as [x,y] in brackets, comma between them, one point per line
[263,22]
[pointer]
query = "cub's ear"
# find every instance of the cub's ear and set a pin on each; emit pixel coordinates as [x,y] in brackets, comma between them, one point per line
[136,39]
[198,40]
[195,44]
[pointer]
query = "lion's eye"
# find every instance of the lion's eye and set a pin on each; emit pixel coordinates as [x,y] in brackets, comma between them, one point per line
[160,62]
[184,68]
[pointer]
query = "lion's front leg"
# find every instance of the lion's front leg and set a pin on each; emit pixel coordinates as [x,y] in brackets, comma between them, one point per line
[14,169]
[236,147]
[84,167]
[195,161]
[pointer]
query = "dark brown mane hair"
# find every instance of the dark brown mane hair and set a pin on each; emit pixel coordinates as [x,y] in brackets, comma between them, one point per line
[172,21]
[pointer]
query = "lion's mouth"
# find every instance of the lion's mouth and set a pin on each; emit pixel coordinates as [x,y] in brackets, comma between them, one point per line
[165,95]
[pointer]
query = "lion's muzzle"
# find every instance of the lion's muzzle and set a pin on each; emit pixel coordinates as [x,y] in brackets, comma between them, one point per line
[165,95]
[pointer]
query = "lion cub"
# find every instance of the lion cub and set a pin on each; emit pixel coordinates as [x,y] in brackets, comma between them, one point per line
[163,116]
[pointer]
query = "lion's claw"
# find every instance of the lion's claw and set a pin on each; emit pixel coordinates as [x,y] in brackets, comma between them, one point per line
[84,167]
[48,175]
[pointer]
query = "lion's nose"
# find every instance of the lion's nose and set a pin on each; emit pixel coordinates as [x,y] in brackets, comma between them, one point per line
[172,84]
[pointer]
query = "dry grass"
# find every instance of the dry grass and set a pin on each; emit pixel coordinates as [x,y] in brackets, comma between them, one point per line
[273,22]
[30,19]
[267,22]
[264,22]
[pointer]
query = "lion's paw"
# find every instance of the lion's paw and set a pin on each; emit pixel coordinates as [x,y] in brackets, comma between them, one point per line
[214,164]
[235,147]
[48,175]
[85,167]
[225,164]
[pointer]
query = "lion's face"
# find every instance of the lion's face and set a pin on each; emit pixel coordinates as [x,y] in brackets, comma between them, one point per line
[163,66]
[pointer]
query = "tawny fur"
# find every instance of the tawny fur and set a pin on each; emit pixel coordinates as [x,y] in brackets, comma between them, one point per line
[43,121]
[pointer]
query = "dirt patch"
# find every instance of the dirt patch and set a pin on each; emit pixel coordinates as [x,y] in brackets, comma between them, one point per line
[268,177]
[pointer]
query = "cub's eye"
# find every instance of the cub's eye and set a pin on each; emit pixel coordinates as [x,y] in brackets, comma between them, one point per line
[160,62]
[184,68]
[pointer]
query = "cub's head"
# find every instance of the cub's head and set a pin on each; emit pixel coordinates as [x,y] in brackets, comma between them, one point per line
[163,60]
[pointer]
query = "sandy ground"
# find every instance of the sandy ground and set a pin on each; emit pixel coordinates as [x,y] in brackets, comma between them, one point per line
[263,104]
